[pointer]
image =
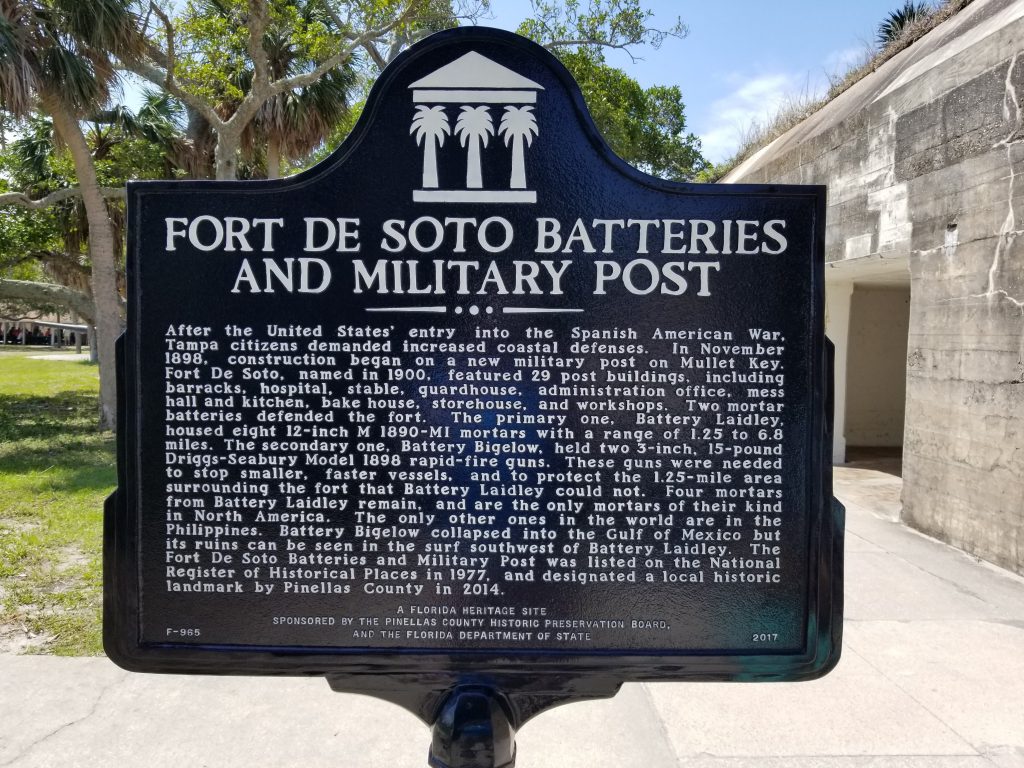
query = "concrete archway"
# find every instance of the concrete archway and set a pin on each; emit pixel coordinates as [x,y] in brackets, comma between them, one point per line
[868,319]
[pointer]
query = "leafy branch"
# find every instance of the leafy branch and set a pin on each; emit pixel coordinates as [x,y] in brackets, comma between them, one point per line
[616,24]
[67,193]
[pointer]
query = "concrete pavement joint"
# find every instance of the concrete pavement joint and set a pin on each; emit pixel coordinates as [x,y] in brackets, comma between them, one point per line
[975,751]
[662,726]
[1015,623]
[992,752]
[867,759]
[92,711]
[973,559]
[952,550]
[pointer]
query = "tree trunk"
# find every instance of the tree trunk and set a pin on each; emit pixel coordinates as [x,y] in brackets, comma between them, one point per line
[226,155]
[106,299]
[273,158]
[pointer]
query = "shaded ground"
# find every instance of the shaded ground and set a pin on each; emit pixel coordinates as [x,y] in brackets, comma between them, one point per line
[888,460]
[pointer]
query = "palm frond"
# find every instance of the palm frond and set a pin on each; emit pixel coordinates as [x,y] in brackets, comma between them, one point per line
[72,77]
[893,25]
[106,25]
[17,56]
[33,149]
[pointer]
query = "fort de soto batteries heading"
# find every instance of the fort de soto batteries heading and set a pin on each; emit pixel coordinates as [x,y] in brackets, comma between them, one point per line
[459,253]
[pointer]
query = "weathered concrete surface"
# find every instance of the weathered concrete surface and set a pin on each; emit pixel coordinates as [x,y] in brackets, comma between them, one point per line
[924,160]
[932,676]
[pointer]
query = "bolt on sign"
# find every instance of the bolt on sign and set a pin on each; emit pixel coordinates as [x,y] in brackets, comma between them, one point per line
[475,403]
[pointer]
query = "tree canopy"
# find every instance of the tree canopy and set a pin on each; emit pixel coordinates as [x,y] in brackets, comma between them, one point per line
[645,126]
[246,88]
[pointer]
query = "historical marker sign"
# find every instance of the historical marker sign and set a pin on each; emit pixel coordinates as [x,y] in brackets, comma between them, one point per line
[475,395]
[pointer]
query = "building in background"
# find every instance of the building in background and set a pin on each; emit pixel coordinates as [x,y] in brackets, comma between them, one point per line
[924,162]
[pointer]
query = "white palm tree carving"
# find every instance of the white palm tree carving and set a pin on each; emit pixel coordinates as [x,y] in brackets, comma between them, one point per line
[430,126]
[518,126]
[474,128]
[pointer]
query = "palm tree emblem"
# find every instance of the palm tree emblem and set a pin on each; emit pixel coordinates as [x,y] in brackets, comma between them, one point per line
[474,128]
[430,126]
[476,91]
[518,125]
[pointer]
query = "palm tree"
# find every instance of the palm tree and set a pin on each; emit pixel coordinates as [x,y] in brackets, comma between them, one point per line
[893,25]
[292,124]
[518,125]
[32,172]
[157,121]
[430,126]
[296,122]
[57,55]
[474,128]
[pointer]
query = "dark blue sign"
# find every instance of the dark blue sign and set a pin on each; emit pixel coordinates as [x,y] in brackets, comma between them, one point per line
[474,399]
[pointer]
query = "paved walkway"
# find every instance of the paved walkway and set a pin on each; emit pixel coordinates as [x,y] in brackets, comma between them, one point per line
[932,676]
[72,356]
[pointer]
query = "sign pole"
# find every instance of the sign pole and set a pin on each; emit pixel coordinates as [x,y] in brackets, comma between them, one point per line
[473,730]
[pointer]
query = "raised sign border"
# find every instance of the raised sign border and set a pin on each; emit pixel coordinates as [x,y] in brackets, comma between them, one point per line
[504,668]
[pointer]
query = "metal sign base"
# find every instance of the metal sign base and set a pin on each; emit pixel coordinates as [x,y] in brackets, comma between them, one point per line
[473,730]
[474,722]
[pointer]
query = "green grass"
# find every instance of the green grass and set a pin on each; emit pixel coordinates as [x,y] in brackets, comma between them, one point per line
[56,469]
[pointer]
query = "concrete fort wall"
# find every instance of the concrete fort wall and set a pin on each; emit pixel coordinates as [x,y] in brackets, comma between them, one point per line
[924,161]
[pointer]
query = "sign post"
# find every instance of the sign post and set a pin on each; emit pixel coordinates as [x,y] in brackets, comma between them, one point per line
[475,417]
